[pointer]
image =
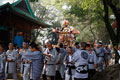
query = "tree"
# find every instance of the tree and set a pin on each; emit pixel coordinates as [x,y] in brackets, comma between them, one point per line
[89,15]
[93,11]
[46,12]
[115,37]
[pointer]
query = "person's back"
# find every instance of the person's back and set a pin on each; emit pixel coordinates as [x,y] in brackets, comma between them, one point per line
[81,63]
[36,59]
[100,51]
[37,64]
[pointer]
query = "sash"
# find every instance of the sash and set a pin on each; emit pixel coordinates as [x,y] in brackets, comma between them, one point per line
[83,69]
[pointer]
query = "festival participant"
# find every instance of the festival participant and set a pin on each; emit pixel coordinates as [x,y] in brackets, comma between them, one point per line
[61,60]
[112,58]
[2,63]
[50,56]
[77,46]
[80,59]
[100,51]
[107,55]
[44,77]
[92,61]
[70,68]
[58,64]
[35,59]
[25,63]
[11,62]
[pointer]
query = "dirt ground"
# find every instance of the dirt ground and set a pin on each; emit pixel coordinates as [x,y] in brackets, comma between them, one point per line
[110,73]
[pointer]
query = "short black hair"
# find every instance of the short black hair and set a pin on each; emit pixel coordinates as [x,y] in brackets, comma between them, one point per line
[83,45]
[3,46]
[57,49]
[88,45]
[34,45]
[77,43]
[61,45]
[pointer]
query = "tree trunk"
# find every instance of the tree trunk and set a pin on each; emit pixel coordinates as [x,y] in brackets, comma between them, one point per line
[113,36]
[117,15]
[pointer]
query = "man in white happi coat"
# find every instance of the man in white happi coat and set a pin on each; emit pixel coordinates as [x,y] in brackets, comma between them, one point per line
[10,68]
[25,63]
[50,56]
[92,61]
[62,55]
[70,67]
[36,60]
[80,59]
[100,51]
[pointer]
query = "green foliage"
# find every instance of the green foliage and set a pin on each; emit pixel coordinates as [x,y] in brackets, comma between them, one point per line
[87,17]
[84,15]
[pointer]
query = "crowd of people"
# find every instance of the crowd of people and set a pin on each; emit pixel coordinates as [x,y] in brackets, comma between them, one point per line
[35,62]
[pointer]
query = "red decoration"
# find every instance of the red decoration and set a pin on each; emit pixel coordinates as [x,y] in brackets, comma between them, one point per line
[77,32]
[54,30]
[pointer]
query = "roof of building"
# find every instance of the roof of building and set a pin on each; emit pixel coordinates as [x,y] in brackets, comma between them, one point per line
[22,8]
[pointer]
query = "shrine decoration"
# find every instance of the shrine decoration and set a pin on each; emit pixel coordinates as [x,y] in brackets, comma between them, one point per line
[66,34]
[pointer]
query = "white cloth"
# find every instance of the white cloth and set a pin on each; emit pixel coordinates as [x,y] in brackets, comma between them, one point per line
[26,71]
[67,77]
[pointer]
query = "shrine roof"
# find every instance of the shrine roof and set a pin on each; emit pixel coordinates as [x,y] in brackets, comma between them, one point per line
[23,9]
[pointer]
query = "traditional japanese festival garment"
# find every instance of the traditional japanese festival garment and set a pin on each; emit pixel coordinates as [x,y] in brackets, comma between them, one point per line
[100,54]
[70,68]
[11,66]
[50,68]
[92,61]
[61,60]
[108,53]
[2,65]
[80,58]
[25,67]
[22,53]
[36,64]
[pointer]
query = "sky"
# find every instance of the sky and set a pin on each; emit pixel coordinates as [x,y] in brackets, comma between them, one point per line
[5,1]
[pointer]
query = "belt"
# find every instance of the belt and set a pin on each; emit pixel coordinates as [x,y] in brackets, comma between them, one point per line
[1,72]
[10,61]
[50,64]
[91,62]
[72,67]
[100,56]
